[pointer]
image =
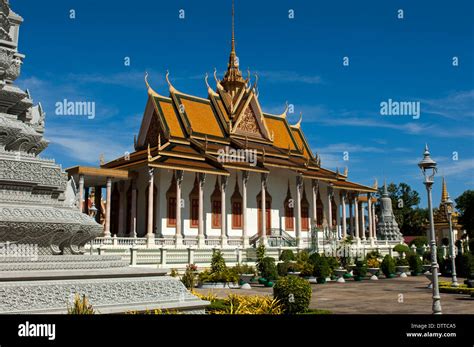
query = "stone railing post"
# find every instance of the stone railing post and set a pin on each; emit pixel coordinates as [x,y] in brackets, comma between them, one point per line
[190,255]
[133,255]
[163,256]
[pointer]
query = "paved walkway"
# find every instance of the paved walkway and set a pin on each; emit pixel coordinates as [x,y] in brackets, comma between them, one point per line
[398,296]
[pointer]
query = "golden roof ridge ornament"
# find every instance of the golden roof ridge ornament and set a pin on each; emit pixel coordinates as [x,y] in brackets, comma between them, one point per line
[218,83]
[346,171]
[298,123]
[171,88]
[210,91]
[150,90]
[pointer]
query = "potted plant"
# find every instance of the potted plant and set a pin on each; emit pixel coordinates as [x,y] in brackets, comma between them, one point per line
[321,270]
[402,250]
[340,274]
[373,267]
[416,265]
[402,267]
[388,266]
[246,273]
[269,271]
[219,276]
[360,270]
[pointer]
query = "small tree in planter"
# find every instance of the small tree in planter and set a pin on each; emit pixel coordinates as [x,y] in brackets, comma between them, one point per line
[269,270]
[416,265]
[402,250]
[322,270]
[360,270]
[261,250]
[287,255]
[294,293]
[388,266]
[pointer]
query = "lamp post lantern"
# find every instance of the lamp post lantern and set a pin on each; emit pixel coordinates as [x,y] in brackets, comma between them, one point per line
[428,167]
[449,205]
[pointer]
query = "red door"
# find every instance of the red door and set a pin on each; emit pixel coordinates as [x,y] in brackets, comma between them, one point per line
[267,215]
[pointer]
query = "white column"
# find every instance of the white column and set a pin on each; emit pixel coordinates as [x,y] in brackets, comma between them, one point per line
[107,206]
[245,236]
[314,186]
[369,214]
[356,217]
[122,202]
[224,180]
[81,193]
[151,187]
[299,189]
[330,193]
[362,217]
[201,237]
[374,224]
[133,210]
[351,215]
[179,234]
[263,237]
[344,224]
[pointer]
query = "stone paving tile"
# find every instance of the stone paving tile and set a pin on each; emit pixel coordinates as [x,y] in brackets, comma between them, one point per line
[373,297]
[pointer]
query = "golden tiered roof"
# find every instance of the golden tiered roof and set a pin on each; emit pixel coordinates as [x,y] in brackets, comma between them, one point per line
[187,132]
[440,216]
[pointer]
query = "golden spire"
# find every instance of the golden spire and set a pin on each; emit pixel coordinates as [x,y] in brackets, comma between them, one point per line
[233,79]
[444,192]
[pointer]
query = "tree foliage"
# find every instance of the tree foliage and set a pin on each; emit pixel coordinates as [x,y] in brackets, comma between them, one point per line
[465,206]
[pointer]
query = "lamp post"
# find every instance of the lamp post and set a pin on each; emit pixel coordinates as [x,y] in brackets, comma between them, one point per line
[428,167]
[449,205]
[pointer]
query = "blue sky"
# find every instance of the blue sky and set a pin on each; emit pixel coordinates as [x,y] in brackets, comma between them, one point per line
[299,60]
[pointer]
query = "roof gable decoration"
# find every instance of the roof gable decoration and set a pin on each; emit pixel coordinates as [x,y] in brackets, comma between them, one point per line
[251,121]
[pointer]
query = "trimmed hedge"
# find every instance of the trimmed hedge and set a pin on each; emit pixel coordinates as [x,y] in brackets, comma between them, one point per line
[388,266]
[287,255]
[269,269]
[465,265]
[294,293]
[416,265]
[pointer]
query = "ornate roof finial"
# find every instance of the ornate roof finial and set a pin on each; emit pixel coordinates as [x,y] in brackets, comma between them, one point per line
[346,171]
[376,184]
[385,190]
[210,91]
[298,123]
[444,191]
[150,90]
[149,152]
[172,89]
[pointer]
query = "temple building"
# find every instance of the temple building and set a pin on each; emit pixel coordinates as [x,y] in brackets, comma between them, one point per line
[220,171]
[441,224]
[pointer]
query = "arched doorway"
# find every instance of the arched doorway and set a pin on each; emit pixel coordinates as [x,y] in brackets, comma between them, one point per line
[268,215]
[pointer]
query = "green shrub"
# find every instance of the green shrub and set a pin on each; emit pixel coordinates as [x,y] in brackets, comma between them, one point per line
[465,265]
[294,293]
[419,241]
[402,249]
[416,265]
[388,266]
[333,264]
[314,258]
[244,269]
[80,306]
[322,270]
[287,255]
[189,277]
[261,251]
[217,262]
[285,267]
[402,262]
[225,276]
[269,269]
[360,269]
[303,264]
